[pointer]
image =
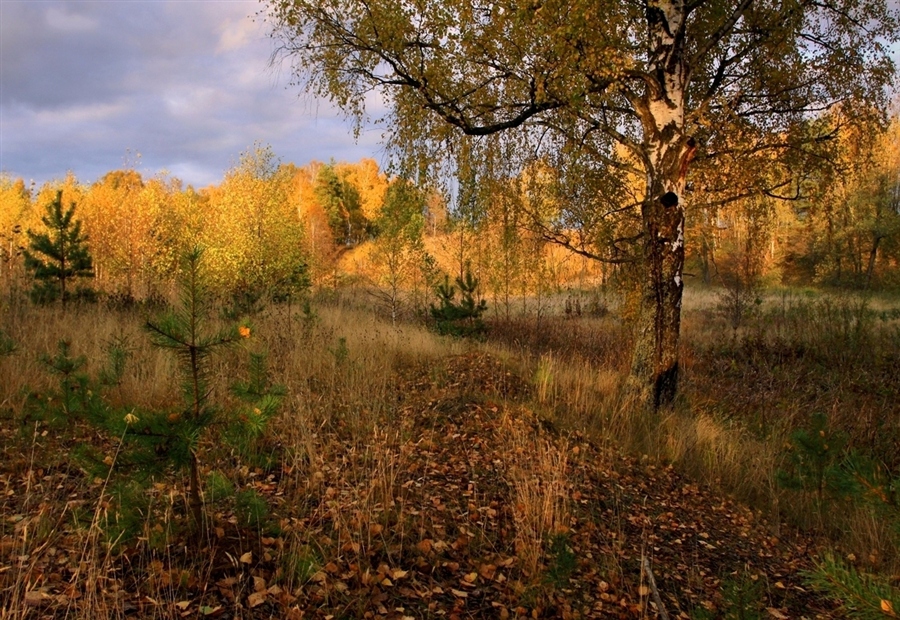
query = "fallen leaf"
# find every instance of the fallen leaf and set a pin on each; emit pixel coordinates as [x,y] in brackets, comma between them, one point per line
[776,614]
[888,608]
[36,597]
[487,571]
[256,599]
[425,545]
[247,558]
[459,593]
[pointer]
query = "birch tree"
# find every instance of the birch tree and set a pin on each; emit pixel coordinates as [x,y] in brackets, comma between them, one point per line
[615,88]
[254,238]
[398,248]
[15,204]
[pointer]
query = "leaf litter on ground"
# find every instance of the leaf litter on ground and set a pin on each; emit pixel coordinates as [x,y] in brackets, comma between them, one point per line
[465,505]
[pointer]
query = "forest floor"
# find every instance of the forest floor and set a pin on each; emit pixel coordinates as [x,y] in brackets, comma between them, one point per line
[474,508]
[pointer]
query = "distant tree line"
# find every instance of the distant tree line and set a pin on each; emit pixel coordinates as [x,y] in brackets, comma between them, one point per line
[273,229]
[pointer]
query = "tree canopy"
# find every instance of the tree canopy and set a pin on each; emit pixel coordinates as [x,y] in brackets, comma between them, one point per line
[626,96]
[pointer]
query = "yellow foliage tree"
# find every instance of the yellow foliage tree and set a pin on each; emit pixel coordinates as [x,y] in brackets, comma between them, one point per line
[15,205]
[254,237]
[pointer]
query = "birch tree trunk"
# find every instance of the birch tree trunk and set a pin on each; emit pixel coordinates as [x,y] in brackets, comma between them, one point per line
[668,151]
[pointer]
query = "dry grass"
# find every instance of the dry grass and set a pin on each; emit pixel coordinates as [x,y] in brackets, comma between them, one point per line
[743,394]
[722,455]
[537,474]
[37,331]
[336,441]
[340,448]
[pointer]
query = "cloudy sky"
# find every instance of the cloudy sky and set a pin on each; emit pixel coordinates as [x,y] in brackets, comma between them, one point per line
[84,85]
[87,84]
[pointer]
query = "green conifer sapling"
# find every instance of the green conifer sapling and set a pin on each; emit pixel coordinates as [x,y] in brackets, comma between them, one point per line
[59,255]
[183,331]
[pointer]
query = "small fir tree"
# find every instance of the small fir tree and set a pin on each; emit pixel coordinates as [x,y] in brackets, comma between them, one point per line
[154,442]
[76,397]
[816,463]
[183,331]
[461,318]
[261,400]
[59,255]
[863,596]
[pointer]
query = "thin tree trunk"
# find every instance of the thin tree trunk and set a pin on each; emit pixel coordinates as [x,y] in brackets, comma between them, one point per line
[194,499]
[62,282]
[873,254]
[705,252]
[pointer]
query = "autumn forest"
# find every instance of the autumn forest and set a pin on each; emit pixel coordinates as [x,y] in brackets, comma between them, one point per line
[612,331]
[271,225]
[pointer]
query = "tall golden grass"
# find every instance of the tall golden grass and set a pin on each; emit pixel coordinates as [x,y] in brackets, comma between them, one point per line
[342,447]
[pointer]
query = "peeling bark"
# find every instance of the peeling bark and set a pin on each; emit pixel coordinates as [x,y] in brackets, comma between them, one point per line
[654,366]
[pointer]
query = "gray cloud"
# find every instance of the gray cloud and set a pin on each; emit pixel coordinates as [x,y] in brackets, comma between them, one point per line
[186,84]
